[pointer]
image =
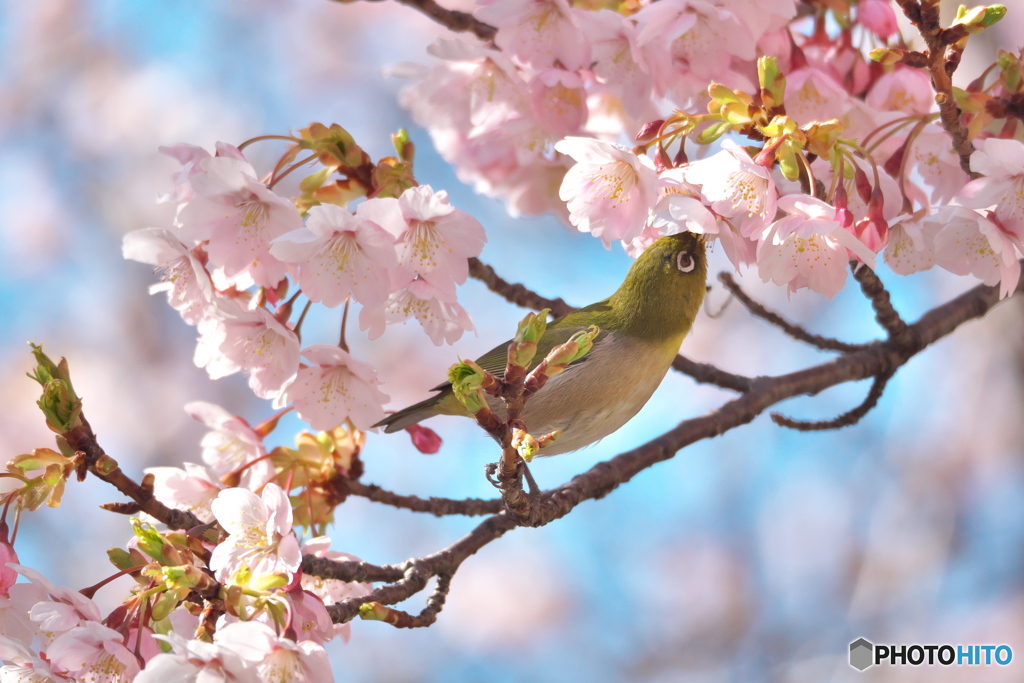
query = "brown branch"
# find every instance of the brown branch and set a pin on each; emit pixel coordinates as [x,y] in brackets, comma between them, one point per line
[941,67]
[461,22]
[794,331]
[439,507]
[83,439]
[885,313]
[851,417]
[879,359]
[515,293]
[709,374]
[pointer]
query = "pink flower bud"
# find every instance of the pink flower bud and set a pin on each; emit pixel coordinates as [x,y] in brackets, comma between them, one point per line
[424,439]
[8,576]
[878,17]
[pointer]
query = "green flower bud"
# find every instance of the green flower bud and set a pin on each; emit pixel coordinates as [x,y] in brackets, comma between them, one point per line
[713,132]
[773,83]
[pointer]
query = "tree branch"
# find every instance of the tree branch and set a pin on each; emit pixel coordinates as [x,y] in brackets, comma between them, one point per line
[879,360]
[455,20]
[439,507]
[83,439]
[794,331]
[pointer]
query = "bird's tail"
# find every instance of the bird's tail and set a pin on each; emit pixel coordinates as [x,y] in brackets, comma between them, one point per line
[409,416]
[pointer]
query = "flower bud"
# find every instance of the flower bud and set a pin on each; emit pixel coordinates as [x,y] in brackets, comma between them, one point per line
[425,439]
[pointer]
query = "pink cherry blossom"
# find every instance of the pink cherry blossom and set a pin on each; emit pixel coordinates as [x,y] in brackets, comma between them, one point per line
[808,248]
[970,243]
[618,62]
[256,341]
[559,101]
[25,666]
[932,156]
[335,388]
[310,617]
[690,37]
[184,278]
[434,239]
[230,445]
[189,157]
[197,661]
[339,255]
[279,659]
[878,17]
[1002,162]
[761,16]
[610,191]
[902,90]
[94,653]
[192,488]
[239,216]
[259,531]
[537,33]
[736,188]
[443,322]
[51,609]
[911,243]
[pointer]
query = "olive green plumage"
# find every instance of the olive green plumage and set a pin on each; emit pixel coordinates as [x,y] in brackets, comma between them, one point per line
[642,326]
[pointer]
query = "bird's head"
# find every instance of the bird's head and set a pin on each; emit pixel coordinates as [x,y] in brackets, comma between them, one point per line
[664,289]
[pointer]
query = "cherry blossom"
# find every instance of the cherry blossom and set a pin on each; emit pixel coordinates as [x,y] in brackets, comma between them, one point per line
[51,609]
[93,653]
[193,488]
[690,36]
[932,156]
[335,388]
[339,255]
[434,238]
[902,90]
[610,191]
[970,243]
[878,17]
[618,61]
[200,662]
[259,533]
[537,33]
[256,341]
[559,101]
[238,216]
[229,446]
[1002,188]
[185,280]
[808,248]
[911,243]
[25,666]
[736,188]
[443,322]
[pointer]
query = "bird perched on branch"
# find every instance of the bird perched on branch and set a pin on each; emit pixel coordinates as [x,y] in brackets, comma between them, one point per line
[641,328]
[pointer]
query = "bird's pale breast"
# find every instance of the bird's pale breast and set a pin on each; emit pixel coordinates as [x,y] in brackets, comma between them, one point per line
[593,399]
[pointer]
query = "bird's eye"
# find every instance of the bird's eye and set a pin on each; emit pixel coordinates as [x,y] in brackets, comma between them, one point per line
[685,262]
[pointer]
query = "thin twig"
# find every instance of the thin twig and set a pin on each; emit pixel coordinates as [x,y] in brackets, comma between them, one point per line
[793,330]
[455,20]
[439,507]
[851,417]
[515,293]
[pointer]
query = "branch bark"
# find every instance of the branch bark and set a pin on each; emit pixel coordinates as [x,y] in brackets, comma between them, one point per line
[879,359]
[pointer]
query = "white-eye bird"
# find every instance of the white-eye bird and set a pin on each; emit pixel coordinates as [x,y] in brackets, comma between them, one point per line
[642,326]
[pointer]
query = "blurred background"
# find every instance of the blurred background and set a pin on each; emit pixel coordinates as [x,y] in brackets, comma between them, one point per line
[757,556]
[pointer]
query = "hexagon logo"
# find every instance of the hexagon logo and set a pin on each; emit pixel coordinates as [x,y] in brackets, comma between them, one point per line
[861,654]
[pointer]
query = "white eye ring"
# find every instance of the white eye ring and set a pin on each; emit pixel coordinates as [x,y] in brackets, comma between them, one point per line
[685,262]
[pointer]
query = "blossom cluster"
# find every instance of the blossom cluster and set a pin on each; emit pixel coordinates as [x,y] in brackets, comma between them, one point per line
[236,246]
[539,122]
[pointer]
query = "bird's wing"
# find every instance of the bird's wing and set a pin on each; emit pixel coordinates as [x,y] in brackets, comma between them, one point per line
[495,360]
